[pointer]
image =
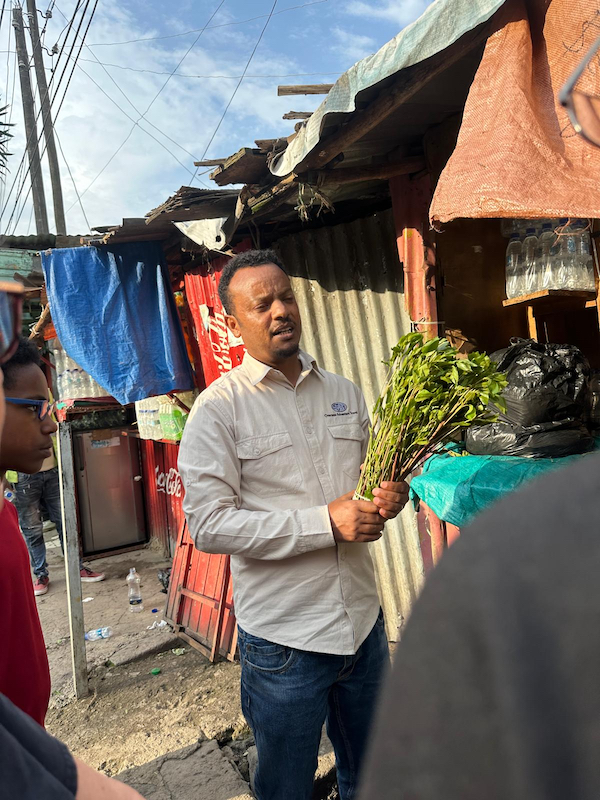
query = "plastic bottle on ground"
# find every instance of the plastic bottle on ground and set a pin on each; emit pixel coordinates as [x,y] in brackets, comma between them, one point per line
[514,280]
[135,592]
[529,248]
[98,633]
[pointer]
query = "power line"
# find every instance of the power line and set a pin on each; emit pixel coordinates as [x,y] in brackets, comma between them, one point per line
[137,111]
[15,180]
[235,91]
[66,87]
[20,190]
[62,152]
[211,27]
[184,75]
[136,123]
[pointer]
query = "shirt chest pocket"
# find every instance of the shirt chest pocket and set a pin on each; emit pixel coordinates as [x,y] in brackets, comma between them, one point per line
[269,465]
[348,439]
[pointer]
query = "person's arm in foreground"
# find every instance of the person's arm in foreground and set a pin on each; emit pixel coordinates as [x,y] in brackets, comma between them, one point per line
[33,765]
[210,469]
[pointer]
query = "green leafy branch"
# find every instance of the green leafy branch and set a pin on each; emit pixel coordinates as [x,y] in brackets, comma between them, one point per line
[429,395]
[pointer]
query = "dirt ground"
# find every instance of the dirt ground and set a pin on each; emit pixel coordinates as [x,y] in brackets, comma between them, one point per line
[184,724]
[105,605]
[133,717]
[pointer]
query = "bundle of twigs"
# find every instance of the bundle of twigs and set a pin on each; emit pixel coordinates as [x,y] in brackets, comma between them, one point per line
[429,395]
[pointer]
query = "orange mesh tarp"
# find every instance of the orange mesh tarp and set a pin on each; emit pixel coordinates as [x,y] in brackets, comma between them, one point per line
[517,154]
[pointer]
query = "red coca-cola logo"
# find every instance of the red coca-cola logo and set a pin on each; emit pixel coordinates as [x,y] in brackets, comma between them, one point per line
[169,482]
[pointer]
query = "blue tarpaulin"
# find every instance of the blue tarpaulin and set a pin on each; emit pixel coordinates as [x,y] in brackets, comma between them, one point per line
[458,487]
[115,315]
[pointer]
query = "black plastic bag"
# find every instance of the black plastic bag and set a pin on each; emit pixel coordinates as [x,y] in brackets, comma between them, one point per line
[547,440]
[546,401]
[546,382]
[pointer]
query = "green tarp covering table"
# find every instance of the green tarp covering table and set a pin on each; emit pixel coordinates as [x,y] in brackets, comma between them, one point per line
[458,486]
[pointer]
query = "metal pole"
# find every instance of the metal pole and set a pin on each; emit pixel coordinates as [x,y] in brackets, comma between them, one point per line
[35,168]
[66,469]
[38,60]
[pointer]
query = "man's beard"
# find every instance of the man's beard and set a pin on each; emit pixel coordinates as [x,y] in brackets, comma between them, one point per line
[290,350]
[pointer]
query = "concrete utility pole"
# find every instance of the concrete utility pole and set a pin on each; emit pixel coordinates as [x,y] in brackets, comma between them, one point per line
[35,167]
[38,60]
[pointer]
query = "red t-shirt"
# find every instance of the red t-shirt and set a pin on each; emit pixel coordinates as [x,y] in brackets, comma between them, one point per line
[24,671]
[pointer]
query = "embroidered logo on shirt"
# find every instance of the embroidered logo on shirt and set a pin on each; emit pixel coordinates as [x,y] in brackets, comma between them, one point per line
[339,407]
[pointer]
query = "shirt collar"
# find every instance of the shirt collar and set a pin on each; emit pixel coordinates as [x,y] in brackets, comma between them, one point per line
[257,371]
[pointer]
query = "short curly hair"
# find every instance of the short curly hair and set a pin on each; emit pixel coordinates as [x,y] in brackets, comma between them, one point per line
[249,258]
[25,354]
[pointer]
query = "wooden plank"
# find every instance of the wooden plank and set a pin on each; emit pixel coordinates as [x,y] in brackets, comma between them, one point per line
[532,327]
[210,162]
[298,115]
[313,88]
[409,83]
[376,172]
[66,469]
[248,165]
[547,295]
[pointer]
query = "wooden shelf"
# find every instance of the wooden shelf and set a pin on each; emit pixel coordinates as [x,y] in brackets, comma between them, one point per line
[548,296]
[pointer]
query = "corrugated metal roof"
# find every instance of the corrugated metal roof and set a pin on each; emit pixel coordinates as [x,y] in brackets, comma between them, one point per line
[349,285]
[22,261]
[442,24]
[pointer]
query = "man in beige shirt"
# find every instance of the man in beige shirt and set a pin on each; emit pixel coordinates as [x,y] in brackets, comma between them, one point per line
[270,458]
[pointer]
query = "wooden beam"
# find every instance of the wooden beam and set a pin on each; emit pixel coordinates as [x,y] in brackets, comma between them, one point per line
[409,83]
[210,162]
[298,115]
[316,88]
[66,470]
[376,172]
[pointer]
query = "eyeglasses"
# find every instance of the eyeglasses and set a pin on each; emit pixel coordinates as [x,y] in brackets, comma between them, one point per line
[41,407]
[11,310]
[577,97]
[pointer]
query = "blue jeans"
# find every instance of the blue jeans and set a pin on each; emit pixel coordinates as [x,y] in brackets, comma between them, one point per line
[288,694]
[32,492]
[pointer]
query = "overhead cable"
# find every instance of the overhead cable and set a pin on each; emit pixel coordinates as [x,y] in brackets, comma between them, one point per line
[235,91]
[211,27]
[52,100]
[136,123]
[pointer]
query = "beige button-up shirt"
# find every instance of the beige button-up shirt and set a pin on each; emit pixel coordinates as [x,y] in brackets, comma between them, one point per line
[260,460]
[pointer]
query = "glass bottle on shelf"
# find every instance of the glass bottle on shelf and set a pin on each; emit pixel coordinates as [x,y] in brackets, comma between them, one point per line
[561,257]
[542,256]
[529,247]
[514,277]
[586,280]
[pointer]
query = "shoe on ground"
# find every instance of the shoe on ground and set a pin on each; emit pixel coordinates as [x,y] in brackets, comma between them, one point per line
[89,576]
[41,585]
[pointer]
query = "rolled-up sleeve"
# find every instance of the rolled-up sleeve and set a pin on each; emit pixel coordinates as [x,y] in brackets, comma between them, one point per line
[211,475]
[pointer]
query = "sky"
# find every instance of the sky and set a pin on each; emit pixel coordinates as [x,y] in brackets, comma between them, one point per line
[129,133]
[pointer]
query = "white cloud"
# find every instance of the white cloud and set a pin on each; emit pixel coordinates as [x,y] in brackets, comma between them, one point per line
[401,12]
[143,174]
[353,46]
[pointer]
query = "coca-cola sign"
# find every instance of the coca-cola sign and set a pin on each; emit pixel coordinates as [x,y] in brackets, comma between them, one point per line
[169,482]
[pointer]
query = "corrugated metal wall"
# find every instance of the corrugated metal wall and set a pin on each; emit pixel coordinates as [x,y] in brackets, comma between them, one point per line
[349,285]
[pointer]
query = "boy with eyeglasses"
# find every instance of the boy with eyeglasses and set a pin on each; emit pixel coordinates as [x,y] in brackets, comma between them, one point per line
[32,763]
[36,486]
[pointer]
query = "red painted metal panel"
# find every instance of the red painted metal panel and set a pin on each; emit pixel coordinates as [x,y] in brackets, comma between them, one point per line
[416,249]
[435,536]
[216,350]
[156,510]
